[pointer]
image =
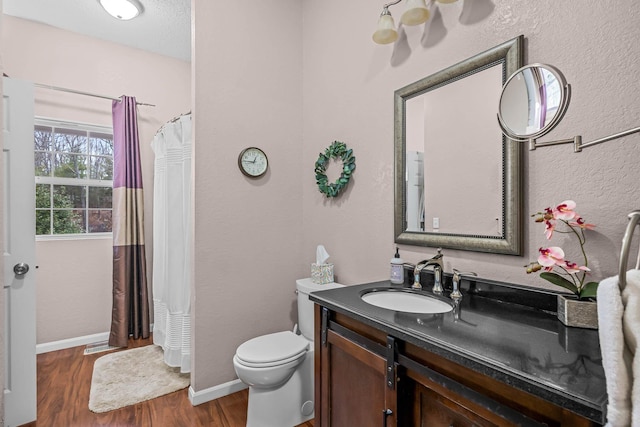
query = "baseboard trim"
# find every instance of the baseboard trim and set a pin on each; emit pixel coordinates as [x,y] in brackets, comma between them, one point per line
[71,342]
[215,392]
[74,342]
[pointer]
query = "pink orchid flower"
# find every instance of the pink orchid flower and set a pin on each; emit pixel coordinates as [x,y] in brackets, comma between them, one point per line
[579,222]
[548,230]
[572,267]
[565,210]
[551,256]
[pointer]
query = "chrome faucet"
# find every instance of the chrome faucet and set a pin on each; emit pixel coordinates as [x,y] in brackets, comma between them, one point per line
[457,275]
[438,267]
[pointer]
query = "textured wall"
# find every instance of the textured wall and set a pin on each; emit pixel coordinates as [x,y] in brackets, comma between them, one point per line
[74,278]
[248,92]
[348,95]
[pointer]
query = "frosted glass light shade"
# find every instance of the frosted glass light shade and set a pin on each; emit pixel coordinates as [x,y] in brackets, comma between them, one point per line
[122,9]
[386,32]
[416,13]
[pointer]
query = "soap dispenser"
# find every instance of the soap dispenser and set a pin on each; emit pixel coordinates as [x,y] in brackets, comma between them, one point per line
[397,269]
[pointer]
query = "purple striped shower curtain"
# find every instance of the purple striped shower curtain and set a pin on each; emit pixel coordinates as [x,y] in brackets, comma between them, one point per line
[130,311]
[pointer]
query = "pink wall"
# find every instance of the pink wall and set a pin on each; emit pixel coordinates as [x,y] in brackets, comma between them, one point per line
[348,95]
[74,277]
[253,238]
[248,240]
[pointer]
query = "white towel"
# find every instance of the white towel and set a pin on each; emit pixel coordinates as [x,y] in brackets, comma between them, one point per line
[616,358]
[631,328]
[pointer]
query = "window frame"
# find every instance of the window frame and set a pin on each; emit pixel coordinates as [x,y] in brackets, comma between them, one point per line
[81,182]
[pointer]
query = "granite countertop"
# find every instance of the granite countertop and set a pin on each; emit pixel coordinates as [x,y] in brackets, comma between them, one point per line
[493,333]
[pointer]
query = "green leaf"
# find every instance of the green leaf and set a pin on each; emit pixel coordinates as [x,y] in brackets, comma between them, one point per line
[590,290]
[558,280]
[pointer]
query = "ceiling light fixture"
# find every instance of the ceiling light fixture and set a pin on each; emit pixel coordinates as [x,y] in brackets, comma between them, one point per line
[417,13]
[122,9]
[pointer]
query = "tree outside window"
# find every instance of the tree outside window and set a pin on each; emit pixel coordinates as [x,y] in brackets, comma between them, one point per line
[74,178]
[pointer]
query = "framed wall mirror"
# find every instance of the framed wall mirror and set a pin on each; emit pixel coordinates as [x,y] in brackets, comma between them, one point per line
[458,180]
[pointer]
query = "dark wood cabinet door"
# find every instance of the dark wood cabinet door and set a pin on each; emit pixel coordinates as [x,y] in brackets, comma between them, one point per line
[434,410]
[439,401]
[354,386]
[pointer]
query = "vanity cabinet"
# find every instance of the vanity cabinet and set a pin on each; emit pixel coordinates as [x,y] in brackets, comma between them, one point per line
[354,386]
[366,377]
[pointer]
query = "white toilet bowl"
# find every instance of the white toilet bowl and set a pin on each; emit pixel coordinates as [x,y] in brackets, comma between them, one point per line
[270,360]
[278,368]
[279,371]
[267,377]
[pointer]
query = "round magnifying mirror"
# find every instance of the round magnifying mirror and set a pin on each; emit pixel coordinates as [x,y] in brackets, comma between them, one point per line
[533,101]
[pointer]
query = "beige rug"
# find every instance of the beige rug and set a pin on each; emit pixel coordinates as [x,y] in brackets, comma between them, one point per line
[131,376]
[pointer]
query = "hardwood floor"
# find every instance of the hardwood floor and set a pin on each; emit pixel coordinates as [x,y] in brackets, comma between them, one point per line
[64,381]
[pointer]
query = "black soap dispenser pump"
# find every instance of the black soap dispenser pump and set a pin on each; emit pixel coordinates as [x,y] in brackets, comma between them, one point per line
[397,269]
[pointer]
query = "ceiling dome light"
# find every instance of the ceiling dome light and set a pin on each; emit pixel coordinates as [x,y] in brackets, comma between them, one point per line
[122,9]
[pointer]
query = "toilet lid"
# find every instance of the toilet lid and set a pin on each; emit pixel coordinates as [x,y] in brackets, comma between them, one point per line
[271,348]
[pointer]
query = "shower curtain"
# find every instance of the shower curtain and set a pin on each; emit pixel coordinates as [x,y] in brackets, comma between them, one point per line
[130,310]
[172,242]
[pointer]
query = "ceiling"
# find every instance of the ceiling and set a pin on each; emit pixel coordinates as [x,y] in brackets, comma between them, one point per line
[164,27]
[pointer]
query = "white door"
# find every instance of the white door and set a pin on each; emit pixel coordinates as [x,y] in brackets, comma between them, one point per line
[19,254]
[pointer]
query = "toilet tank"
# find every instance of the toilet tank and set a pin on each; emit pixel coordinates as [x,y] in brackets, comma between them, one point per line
[305,305]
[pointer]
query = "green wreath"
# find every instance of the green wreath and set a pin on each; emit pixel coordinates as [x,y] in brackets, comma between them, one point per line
[336,150]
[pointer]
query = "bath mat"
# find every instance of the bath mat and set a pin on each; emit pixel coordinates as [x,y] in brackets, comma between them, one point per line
[132,376]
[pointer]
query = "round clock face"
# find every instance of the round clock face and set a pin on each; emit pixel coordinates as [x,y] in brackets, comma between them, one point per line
[253,162]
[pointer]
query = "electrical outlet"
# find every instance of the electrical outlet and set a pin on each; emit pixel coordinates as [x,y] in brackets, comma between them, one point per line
[436,222]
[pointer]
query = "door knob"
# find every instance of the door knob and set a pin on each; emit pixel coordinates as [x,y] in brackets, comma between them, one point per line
[21,268]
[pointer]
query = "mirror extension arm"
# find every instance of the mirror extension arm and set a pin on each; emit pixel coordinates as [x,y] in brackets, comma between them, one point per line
[577,140]
[533,101]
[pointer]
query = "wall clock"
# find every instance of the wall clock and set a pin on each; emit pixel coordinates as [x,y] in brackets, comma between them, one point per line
[253,162]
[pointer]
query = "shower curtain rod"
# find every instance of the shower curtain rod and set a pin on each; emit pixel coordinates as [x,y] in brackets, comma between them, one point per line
[61,89]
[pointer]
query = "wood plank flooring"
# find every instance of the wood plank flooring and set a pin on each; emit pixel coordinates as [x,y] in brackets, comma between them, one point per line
[64,381]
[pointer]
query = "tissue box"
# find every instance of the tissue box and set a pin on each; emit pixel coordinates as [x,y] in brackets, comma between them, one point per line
[321,274]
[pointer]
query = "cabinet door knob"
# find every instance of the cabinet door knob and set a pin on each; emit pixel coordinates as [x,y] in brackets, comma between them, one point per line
[385,414]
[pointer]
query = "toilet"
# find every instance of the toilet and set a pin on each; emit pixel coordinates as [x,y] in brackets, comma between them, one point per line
[278,368]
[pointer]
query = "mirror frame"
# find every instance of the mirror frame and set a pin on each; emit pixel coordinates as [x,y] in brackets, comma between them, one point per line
[511,55]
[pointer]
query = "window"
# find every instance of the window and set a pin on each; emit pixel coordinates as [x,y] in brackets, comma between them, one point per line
[74,178]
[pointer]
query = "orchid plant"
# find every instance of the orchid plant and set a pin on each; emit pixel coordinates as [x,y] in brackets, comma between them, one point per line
[557,269]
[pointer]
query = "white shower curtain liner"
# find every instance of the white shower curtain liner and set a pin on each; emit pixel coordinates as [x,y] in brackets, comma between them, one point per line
[172,242]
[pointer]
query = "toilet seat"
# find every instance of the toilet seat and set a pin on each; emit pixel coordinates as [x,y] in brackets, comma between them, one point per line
[272,349]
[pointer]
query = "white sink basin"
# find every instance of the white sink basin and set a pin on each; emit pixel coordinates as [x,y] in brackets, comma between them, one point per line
[408,302]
